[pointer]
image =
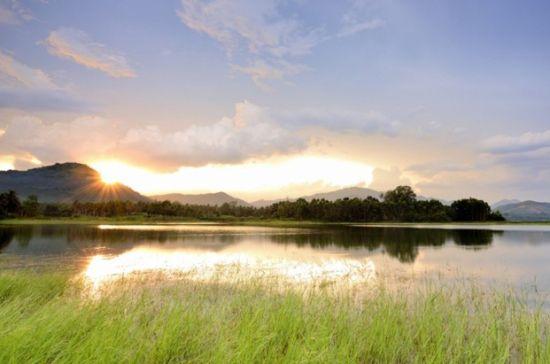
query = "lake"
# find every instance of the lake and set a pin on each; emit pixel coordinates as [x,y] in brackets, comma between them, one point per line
[517,255]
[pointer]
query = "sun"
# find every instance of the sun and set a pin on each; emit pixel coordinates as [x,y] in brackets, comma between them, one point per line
[111,172]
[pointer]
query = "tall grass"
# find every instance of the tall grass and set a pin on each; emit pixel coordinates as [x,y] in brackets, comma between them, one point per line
[49,318]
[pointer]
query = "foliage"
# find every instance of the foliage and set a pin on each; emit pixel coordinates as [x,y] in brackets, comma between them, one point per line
[399,205]
[46,319]
[470,209]
[9,204]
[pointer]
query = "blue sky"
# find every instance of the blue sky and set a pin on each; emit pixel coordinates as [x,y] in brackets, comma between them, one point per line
[448,96]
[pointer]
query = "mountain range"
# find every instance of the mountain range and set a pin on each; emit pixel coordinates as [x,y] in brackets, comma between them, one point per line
[218,198]
[68,182]
[525,210]
[65,182]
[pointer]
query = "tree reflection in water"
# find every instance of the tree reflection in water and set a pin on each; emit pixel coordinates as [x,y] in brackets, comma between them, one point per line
[398,242]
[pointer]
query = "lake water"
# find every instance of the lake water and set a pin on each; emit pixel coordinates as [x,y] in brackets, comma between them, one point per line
[517,255]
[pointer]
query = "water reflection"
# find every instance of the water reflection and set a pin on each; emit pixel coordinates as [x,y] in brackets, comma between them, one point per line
[226,266]
[400,243]
[334,251]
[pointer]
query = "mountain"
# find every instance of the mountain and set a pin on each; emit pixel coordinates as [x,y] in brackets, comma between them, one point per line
[504,202]
[213,199]
[350,192]
[265,203]
[65,182]
[526,211]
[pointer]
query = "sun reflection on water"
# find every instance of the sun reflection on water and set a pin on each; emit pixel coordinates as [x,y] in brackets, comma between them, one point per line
[225,266]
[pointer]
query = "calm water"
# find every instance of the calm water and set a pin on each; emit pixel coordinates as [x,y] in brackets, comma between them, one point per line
[509,254]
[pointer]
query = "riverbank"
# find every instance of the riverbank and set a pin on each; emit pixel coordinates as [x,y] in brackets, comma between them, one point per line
[144,220]
[51,318]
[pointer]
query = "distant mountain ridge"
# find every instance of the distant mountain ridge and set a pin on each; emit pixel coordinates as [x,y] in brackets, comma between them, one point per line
[213,199]
[504,202]
[526,211]
[65,182]
[348,192]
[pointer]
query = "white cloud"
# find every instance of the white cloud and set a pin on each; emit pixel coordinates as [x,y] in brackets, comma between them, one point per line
[249,133]
[15,74]
[30,88]
[260,71]
[252,132]
[59,141]
[356,26]
[13,13]
[77,46]
[269,40]
[531,141]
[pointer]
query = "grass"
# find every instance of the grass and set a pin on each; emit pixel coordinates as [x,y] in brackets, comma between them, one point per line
[50,318]
[141,220]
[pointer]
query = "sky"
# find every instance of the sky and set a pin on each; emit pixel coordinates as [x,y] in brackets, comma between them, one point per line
[279,98]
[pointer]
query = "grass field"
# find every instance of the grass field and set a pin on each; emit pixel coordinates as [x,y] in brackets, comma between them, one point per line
[51,318]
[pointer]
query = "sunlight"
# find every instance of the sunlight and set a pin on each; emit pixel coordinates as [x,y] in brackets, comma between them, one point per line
[113,171]
[250,176]
[227,266]
[6,162]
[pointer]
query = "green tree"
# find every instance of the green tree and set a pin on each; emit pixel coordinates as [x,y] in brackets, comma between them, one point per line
[9,204]
[31,206]
[470,209]
[399,204]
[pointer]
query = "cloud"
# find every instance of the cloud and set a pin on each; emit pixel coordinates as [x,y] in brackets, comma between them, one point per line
[28,88]
[249,133]
[354,25]
[77,46]
[265,38]
[386,179]
[16,74]
[260,71]
[252,132]
[371,122]
[434,168]
[530,141]
[13,13]
[56,142]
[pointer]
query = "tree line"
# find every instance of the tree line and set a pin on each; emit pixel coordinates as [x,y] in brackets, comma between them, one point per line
[398,205]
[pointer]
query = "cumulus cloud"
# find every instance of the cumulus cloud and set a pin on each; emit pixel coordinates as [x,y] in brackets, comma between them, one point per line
[54,142]
[77,46]
[252,132]
[25,87]
[247,134]
[264,35]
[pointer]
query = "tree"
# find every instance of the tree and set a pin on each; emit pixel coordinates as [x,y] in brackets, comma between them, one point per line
[470,209]
[31,206]
[9,204]
[399,204]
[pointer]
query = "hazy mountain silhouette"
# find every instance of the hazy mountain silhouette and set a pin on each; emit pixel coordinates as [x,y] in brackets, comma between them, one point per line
[213,199]
[504,202]
[349,192]
[526,211]
[65,182]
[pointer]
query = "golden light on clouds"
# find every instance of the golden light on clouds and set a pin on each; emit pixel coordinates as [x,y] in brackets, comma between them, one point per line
[248,177]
